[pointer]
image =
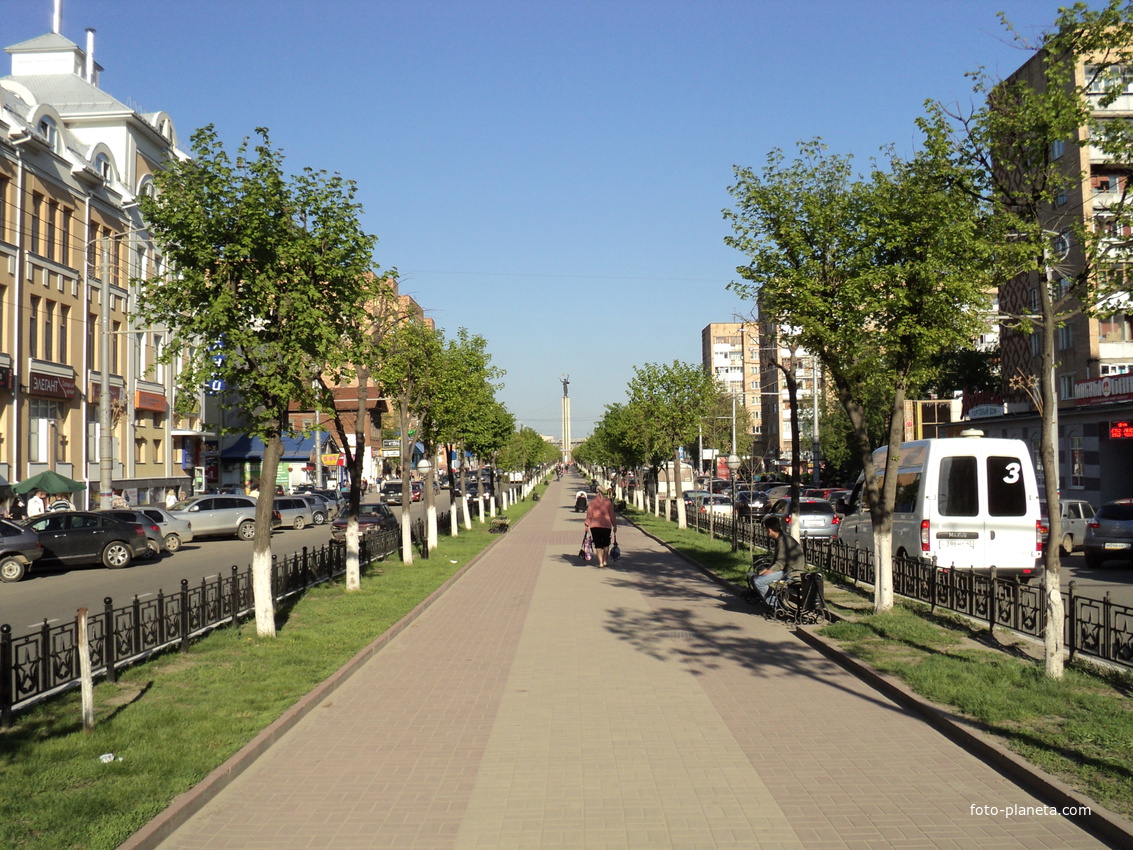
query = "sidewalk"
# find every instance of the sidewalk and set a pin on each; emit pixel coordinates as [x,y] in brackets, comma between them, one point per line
[543,703]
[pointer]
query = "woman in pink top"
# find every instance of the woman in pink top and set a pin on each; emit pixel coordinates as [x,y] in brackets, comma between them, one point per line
[602,522]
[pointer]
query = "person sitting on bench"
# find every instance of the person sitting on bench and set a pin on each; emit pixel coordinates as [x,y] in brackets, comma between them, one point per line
[789,560]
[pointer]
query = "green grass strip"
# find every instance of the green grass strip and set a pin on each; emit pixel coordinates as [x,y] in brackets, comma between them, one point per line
[172,721]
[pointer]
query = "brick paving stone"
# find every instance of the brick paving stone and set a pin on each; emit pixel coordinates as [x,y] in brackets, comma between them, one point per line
[542,703]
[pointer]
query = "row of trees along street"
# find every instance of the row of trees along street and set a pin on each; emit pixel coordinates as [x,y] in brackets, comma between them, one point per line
[268,284]
[882,274]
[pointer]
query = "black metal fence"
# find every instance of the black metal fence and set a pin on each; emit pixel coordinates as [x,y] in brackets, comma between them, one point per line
[46,661]
[1097,628]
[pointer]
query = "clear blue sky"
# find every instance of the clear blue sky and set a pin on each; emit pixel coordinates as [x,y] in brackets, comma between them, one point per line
[549,175]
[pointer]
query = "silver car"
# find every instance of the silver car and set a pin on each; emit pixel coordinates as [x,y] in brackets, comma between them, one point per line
[816,516]
[295,511]
[320,512]
[175,531]
[217,515]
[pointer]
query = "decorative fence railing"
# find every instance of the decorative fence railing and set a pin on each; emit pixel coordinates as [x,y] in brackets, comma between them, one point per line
[1097,628]
[44,662]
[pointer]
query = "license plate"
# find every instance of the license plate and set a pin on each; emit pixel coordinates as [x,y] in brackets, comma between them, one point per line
[811,522]
[1117,546]
[945,543]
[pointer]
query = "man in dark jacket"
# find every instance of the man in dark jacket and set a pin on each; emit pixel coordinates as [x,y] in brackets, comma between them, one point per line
[788,562]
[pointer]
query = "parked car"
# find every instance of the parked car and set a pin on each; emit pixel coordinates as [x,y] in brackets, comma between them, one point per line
[693,498]
[175,532]
[417,488]
[318,506]
[371,515]
[751,504]
[294,512]
[19,549]
[1109,535]
[1075,515]
[718,504]
[154,537]
[72,538]
[335,501]
[217,515]
[817,517]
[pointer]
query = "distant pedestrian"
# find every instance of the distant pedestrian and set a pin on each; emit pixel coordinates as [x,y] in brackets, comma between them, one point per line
[36,504]
[170,499]
[119,500]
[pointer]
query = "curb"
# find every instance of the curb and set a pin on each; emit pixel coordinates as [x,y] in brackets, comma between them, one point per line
[1103,824]
[1109,827]
[185,805]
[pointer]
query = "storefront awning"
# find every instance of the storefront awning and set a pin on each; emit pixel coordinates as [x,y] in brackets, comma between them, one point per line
[252,448]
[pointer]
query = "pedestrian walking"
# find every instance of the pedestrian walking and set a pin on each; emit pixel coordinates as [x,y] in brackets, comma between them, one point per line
[603,523]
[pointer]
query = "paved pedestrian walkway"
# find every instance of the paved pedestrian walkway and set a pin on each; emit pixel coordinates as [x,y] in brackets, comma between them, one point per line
[541,702]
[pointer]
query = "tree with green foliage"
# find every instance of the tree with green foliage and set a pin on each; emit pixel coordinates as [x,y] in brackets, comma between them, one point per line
[878,276]
[407,369]
[263,287]
[1071,251]
[462,409]
[674,399]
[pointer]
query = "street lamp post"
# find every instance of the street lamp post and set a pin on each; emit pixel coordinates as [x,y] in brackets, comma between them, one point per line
[733,466]
[425,470]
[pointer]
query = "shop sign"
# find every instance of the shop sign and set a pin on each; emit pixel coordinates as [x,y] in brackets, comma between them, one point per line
[96,392]
[53,386]
[1104,390]
[150,401]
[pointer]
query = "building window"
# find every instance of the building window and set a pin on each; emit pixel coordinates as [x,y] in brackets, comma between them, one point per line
[1061,198]
[1115,328]
[1036,343]
[92,323]
[1065,337]
[115,327]
[64,331]
[1115,369]
[48,329]
[50,133]
[102,166]
[65,238]
[1066,387]
[1077,463]
[140,449]
[33,328]
[36,215]
[157,451]
[52,212]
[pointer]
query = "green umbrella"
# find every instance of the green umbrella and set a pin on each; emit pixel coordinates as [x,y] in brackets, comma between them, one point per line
[50,482]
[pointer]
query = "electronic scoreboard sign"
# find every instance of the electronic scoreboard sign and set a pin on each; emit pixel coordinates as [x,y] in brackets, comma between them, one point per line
[1121,431]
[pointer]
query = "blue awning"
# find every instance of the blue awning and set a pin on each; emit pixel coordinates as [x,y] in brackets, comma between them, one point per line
[252,448]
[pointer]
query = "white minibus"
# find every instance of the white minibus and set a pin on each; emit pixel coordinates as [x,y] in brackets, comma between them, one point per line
[966,503]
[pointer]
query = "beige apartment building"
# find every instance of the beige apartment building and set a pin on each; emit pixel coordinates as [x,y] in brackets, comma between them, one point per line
[73,161]
[1094,355]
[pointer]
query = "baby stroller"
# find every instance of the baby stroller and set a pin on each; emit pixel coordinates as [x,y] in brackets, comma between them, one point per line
[580,502]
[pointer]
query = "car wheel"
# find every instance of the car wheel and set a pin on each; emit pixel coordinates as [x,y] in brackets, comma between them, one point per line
[320,518]
[117,555]
[12,569]
[172,542]
[1067,544]
[299,522]
[246,530]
